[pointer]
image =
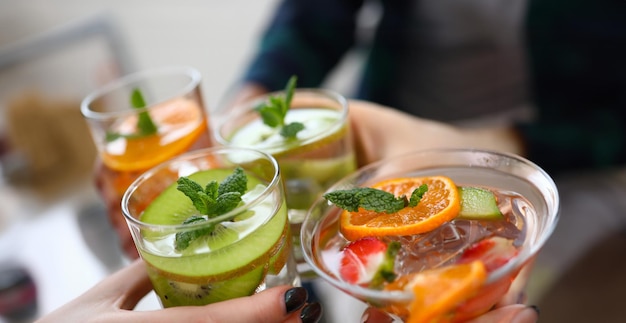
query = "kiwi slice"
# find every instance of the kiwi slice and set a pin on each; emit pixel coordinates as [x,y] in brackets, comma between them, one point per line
[173,207]
[178,293]
[478,204]
[245,240]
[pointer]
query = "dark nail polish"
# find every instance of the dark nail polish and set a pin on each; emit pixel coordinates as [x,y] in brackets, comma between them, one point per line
[295,298]
[312,313]
[536,308]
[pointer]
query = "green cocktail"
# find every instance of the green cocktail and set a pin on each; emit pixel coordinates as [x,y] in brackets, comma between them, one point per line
[311,160]
[231,247]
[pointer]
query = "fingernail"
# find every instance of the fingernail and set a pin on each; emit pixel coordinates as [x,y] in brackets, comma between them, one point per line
[535,308]
[312,313]
[295,298]
[529,314]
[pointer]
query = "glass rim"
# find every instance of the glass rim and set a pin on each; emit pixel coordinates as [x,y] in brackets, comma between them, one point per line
[131,220]
[522,257]
[251,103]
[195,77]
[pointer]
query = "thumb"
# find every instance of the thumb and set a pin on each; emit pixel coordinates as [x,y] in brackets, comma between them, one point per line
[277,304]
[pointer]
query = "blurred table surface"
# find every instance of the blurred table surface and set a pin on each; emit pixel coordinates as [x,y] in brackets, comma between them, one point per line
[65,242]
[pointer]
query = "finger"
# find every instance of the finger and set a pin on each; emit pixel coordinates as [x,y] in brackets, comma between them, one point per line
[373,315]
[272,305]
[125,288]
[509,314]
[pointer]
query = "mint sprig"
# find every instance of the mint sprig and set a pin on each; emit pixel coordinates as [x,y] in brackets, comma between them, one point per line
[183,239]
[374,199]
[386,272]
[274,110]
[145,125]
[212,200]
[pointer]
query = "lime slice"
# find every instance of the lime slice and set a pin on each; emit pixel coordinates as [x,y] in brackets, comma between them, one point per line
[478,204]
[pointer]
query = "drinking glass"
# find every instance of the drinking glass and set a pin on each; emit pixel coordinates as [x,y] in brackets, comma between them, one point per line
[525,193]
[127,144]
[321,154]
[248,248]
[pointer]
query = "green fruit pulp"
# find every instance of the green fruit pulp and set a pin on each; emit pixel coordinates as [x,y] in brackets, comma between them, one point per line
[179,293]
[237,256]
[478,204]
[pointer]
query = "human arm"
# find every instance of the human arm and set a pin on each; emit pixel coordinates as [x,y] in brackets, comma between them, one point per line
[305,38]
[113,299]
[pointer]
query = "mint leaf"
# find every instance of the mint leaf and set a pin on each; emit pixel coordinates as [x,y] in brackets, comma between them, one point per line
[386,270]
[417,195]
[212,200]
[289,89]
[112,136]
[270,115]
[144,123]
[183,239]
[226,202]
[373,199]
[274,111]
[236,182]
[366,197]
[194,191]
[291,130]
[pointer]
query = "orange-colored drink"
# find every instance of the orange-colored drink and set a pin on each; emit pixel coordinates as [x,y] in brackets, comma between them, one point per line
[182,126]
[140,121]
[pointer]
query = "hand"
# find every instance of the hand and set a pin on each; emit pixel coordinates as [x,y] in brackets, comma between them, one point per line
[381,132]
[113,299]
[517,313]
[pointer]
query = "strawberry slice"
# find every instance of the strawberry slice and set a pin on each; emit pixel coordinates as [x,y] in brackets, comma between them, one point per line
[494,252]
[369,261]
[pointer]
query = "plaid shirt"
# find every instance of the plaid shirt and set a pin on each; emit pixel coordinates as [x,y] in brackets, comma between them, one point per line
[577,57]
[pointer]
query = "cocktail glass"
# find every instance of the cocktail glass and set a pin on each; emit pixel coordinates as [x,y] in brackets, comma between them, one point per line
[526,194]
[248,250]
[172,101]
[321,154]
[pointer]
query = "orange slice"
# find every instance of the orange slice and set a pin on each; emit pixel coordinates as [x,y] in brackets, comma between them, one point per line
[441,203]
[439,291]
[180,123]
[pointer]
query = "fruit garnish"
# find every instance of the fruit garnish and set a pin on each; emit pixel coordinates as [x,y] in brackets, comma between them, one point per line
[493,252]
[478,204]
[428,208]
[145,125]
[438,291]
[181,123]
[369,261]
[212,200]
[274,110]
[374,199]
